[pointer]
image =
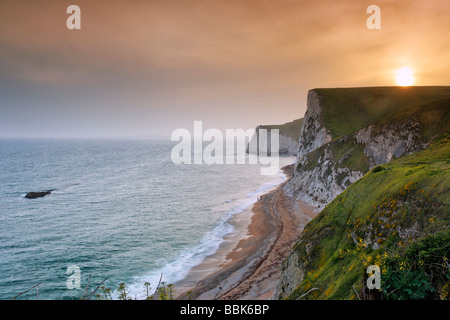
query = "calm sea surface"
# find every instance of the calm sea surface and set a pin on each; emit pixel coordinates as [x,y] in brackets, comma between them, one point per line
[121,211]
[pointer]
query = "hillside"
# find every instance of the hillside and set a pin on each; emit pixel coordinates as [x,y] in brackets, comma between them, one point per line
[377,125]
[325,172]
[349,109]
[289,129]
[397,217]
[376,161]
[335,112]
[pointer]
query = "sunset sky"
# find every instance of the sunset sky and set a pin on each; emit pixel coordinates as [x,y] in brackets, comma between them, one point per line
[141,67]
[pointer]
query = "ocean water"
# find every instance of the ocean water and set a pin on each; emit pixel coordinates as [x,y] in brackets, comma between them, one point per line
[120,211]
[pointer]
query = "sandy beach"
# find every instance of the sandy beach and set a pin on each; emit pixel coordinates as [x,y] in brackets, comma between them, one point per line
[247,265]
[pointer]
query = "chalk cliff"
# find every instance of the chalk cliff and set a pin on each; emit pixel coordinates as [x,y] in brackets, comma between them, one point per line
[361,149]
[327,165]
[288,137]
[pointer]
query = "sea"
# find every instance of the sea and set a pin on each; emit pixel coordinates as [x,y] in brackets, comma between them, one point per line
[120,211]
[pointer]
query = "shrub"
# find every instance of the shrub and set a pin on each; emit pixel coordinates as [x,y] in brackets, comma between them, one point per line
[378,169]
[420,271]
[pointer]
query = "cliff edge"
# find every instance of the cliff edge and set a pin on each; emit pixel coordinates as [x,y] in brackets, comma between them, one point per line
[346,132]
[288,136]
[376,163]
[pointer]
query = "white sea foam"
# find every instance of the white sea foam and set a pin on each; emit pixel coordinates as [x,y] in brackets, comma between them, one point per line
[178,269]
[121,225]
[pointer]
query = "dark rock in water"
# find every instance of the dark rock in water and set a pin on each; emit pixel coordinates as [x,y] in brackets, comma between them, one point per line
[34,195]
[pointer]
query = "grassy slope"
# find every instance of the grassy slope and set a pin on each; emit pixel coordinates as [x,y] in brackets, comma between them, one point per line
[410,193]
[433,119]
[291,129]
[349,109]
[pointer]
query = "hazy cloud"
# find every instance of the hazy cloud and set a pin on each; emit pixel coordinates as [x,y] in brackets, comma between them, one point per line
[147,67]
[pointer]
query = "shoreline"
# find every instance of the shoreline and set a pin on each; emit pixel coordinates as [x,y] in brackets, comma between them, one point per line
[247,264]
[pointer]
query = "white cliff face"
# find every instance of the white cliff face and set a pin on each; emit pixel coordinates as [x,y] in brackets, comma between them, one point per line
[392,142]
[325,168]
[293,276]
[287,145]
[324,182]
[313,133]
[320,176]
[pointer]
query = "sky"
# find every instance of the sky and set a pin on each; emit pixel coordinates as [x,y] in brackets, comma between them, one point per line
[138,68]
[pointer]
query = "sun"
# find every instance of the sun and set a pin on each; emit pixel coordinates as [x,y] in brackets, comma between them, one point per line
[405,77]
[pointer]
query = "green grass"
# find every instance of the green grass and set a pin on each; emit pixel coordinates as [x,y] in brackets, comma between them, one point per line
[291,129]
[349,109]
[362,225]
[433,119]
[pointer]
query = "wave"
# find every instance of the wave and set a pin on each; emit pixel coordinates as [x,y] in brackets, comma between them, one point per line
[266,187]
[179,269]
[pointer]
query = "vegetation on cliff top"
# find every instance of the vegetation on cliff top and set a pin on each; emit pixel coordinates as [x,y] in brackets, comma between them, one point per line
[349,109]
[433,119]
[396,217]
[290,129]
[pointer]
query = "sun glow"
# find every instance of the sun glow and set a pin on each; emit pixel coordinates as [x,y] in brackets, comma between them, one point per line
[405,77]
